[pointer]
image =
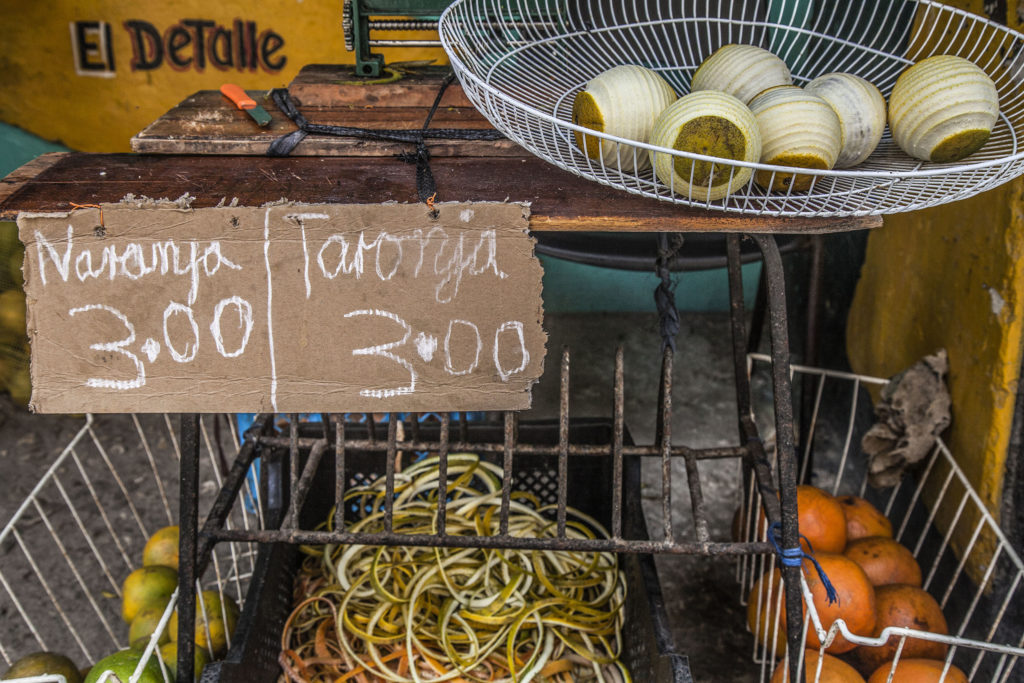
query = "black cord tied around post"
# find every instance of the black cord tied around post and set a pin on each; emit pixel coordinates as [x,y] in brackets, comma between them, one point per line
[664,293]
[426,187]
[794,557]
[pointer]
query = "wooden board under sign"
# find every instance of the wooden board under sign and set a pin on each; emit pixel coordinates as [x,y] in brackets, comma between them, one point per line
[286,308]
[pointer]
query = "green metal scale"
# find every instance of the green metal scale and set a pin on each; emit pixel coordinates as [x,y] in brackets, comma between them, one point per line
[417,15]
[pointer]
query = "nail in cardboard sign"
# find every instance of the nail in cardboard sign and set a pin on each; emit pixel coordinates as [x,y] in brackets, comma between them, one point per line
[286,308]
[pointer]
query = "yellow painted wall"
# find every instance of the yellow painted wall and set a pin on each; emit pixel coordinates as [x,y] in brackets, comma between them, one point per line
[952,277]
[89,104]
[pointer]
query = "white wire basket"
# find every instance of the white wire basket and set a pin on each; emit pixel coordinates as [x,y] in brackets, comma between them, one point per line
[68,547]
[521,62]
[968,565]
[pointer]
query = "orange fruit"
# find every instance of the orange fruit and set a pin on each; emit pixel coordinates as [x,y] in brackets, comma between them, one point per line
[863,519]
[147,587]
[44,663]
[918,671]
[763,604]
[856,604]
[884,561]
[832,670]
[162,548]
[821,519]
[909,607]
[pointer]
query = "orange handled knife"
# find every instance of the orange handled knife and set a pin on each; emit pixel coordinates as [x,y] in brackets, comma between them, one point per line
[245,103]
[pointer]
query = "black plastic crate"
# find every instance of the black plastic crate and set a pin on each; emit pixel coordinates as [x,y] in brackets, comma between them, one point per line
[649,652]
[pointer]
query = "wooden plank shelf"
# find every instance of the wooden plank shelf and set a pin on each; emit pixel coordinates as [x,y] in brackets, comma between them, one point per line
[559,200]
[207,123]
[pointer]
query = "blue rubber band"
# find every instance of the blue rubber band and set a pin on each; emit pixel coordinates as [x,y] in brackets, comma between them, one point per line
[794,557]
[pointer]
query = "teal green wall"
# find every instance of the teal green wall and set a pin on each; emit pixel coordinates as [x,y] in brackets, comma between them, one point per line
[18,147]
[574,287]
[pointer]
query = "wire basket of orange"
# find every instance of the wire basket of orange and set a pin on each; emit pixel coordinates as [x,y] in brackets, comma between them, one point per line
[928,587]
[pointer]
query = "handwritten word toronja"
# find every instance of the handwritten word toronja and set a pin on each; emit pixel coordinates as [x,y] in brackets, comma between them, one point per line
[165,257]
[448,259]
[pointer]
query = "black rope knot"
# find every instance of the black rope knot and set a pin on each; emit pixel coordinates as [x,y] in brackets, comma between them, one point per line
[664,293]
[426,187]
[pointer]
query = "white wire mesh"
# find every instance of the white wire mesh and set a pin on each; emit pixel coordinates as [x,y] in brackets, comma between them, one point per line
[68,547]
[967,562]
[521,62]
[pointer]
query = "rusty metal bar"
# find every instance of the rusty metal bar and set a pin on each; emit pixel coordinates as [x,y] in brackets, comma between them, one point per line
[233,483]
[293,451]
[700,517]
[677,451]
[389,477]
[784,436]
[339,473]
[442,475]
[506,479]
[665,439]
[520,543]
[188,522]
[563,442]
[301,490]
[618,434]
[371,428]
[463,427]
[414,427]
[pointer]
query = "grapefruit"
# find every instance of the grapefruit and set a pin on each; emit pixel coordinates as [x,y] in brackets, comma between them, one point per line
[907,607]
[863,519]
[918,671]
[169,653]
[123,665]
[162,548]
[212,633]
[44,663]
[833,670]
[147,587]
[884,561]
[144,625]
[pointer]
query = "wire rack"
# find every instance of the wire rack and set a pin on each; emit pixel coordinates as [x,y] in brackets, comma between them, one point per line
[70,544]
[522,62]
[967,563]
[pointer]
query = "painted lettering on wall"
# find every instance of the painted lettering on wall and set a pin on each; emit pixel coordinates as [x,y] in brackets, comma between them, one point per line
[189,45]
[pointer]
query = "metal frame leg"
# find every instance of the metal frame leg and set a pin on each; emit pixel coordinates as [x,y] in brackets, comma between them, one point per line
[785,441]
[188,535]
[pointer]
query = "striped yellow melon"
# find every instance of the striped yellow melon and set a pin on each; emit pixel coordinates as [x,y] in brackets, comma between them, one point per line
[710,123]
[743,71]
[622,101]
[942,109]
[798,129]
[861,111]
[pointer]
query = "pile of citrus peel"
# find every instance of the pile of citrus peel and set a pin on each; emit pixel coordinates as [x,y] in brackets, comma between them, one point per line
[367,613]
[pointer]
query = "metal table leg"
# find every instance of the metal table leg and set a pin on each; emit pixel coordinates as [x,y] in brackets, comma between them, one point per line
[188,534]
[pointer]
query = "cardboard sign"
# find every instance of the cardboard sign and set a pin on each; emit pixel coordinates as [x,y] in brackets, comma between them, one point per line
[285,308]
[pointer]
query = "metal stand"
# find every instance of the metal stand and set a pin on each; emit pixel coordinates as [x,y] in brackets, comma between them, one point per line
[296,480]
